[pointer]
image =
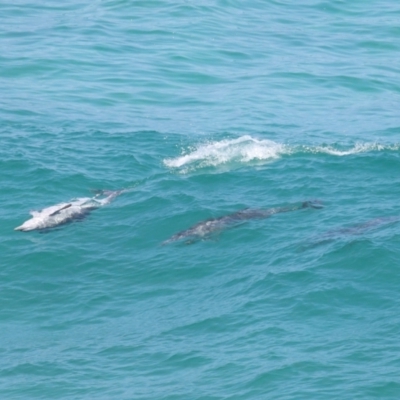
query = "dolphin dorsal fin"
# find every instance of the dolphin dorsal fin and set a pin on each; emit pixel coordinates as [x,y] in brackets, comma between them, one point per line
[35,213]
[60,209]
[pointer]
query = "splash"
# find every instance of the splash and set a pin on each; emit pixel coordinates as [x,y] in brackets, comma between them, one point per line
[242,150]
[229,153]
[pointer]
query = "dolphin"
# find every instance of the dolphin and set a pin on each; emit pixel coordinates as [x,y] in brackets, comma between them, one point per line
[62,213]
[355,230]
[204,229]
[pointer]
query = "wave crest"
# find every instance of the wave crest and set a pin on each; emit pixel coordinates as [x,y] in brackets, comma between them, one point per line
[340,151]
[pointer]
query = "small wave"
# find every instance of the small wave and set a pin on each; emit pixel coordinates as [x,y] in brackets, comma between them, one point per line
[246,149]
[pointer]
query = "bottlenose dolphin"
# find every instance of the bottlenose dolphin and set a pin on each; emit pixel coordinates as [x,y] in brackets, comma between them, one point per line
[204,229]
[62,213]
[355,230]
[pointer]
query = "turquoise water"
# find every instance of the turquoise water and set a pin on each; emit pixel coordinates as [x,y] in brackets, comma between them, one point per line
[200,110]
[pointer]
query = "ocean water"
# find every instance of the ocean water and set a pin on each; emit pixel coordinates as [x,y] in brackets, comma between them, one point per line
[201,109]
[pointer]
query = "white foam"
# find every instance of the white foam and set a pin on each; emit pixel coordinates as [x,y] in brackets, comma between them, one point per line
[341,151]
[246,149]
[241,150]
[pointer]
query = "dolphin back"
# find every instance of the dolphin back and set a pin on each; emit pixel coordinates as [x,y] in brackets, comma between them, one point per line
[62,213]
[205,229]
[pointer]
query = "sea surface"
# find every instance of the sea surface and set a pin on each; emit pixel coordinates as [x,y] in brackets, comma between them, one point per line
[199,109]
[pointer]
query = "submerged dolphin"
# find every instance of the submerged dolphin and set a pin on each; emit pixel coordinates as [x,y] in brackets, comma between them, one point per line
[355,230]
[205,228]
[62,213]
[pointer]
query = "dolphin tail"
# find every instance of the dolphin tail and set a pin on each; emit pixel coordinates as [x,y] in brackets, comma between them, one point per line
[105,192]
[173,238]
[312,204]
[110,195]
